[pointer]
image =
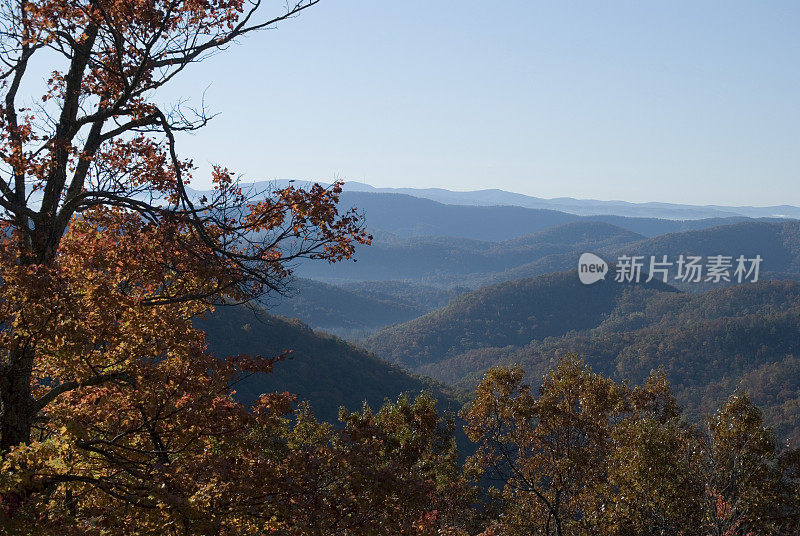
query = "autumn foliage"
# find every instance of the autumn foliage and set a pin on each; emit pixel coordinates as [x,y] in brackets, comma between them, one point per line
[586,455]
[137,430]
[116,419]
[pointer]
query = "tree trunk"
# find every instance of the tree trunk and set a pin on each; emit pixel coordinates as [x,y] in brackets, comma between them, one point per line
[16,416]
[16,402]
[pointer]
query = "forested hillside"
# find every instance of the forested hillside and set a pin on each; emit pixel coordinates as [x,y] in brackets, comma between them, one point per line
[410,294]
[507,314]
[705,361]
[350,313]
[778,244]
[709,344]
[320,368]
[452,262]
[449,262]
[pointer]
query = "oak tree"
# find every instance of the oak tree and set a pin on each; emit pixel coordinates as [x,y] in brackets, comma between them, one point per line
[113,414]
[585,455]
[94,136]
[549,452]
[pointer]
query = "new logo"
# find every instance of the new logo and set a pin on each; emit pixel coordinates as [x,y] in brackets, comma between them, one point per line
[591,268]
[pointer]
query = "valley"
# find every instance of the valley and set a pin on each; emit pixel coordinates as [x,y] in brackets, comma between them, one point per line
[449,308]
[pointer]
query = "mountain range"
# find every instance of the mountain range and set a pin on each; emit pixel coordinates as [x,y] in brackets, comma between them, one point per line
[447,291]
[586,207]
[709,344]
[407,213]
[459,262]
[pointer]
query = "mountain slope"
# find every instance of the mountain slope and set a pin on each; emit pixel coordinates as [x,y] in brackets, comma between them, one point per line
[582,206]
[353,312]
[709,344]
[405,293]
[447,261]
[508,314]
[461,262]
[407,216]
[590,207]
[777,243]
[322,369]
[705,360]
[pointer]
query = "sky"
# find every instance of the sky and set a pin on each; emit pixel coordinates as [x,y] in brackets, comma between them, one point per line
[684,102]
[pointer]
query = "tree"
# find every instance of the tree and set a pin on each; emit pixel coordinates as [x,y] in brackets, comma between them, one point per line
[96,138]
[747,489]
[589,456]
[111,407]
[135,428]
[654,467]
[396,474]
[549,452]
[140,433]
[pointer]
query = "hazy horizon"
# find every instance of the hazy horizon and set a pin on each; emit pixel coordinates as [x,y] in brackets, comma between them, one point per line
[495,188]
[678,103]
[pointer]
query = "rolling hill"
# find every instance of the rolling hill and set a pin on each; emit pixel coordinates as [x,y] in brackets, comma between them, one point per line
[777,243]
[582,206]
[493,218]
[709,344]
[322,369]
[448,262]
[589,207]
[407,216]
[453,262]
[459,262]
[507,314]
[357,310]
[394,280]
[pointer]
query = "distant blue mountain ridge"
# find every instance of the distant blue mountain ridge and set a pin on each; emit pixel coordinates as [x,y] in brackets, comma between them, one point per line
[584,207]
[391,216]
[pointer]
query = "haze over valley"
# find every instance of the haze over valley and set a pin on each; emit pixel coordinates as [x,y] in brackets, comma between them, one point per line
[447,290]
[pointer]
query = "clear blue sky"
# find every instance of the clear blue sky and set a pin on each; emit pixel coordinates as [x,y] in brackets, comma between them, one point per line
[691,102]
